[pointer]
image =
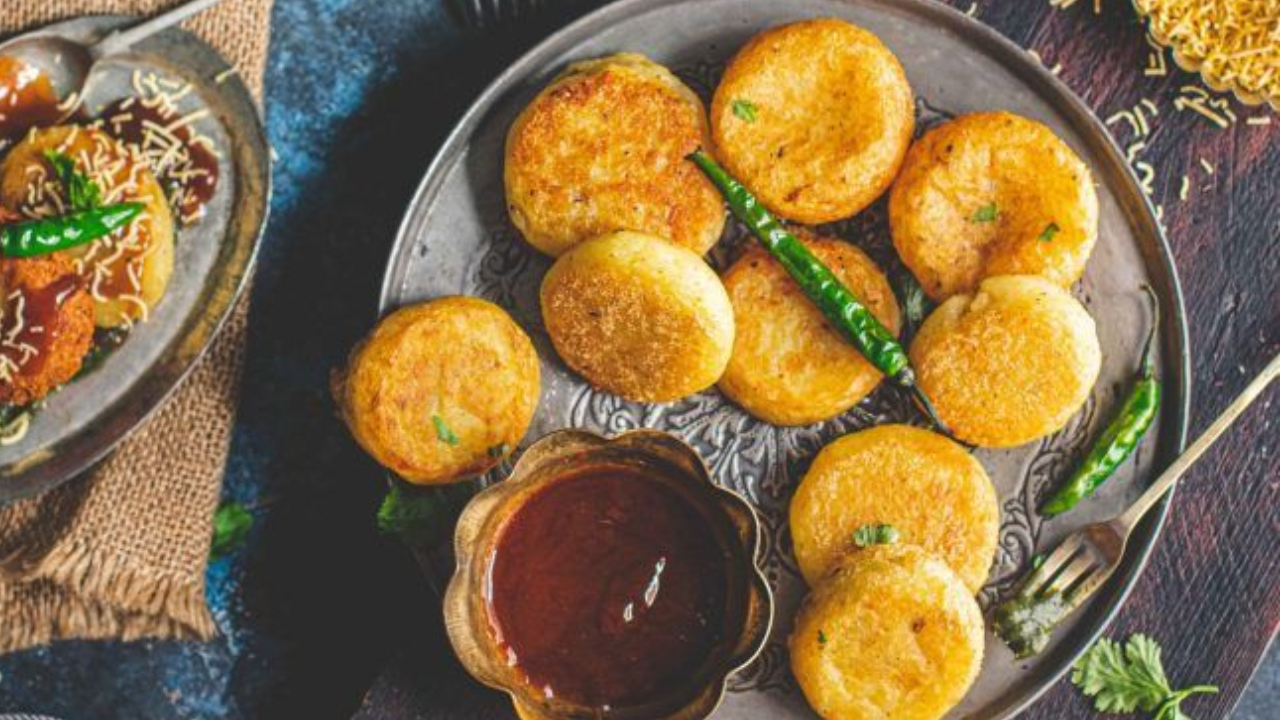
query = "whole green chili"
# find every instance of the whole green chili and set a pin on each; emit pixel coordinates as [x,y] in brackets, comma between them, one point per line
[1121,436]
[841,308]
[47,235]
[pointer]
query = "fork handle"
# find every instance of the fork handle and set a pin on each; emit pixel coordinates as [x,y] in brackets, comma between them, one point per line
[122,40]
[1175,471]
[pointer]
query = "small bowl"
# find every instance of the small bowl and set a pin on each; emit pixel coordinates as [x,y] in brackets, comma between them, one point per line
[466,611]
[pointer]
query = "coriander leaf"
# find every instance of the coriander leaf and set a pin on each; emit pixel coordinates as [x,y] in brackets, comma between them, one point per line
[745,110]
[871,534]
[231,524]
[986,214]
[1122,679]
[822,638]
[420,516]
[1049,231]
[1036,561]
[443,432]
[82,192]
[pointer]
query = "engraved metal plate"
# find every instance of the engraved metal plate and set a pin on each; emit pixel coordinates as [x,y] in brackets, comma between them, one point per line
[456,239]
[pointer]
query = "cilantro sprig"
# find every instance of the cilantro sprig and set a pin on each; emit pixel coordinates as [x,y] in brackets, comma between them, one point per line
[1130,677]
[82,192]
[231,525]
[422,516]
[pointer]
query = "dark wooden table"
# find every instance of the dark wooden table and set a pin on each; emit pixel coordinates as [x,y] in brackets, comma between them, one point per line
[1210,591]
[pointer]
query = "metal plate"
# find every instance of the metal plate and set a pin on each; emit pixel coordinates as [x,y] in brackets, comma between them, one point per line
[456,239]
[83,421]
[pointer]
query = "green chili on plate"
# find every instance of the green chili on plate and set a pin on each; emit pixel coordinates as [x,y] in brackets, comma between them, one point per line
[849,316]
[1121,436]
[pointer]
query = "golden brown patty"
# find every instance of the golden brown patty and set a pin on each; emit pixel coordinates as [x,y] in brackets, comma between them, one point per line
[602,149]
[440,391]
[891,633]
[45,293]
[926,486]
[1009,364]
[789,366]
[992,194]
[815,118]
[639,317]
[126,272]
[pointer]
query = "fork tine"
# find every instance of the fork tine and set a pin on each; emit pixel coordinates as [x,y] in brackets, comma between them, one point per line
[1065,581]
[1089,585]
[1055,562]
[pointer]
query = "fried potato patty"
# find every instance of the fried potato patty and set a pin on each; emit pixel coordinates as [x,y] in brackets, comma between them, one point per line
[639,317]
[442,390]
[892,632]
[814,117]
[789,366]
[126,272]
[925,485]
[1009,364]
[992,194]
[603,149]
[46,326]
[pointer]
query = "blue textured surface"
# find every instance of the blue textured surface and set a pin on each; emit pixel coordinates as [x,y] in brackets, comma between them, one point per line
[359,94]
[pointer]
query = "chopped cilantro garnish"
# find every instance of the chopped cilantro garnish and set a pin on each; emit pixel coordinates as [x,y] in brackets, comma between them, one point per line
[745,110]
[986,214]
[872,534]
[443,432]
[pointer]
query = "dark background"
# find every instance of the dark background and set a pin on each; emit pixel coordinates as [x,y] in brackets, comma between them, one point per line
[318,608]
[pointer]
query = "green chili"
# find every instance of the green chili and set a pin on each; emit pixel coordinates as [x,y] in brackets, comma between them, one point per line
[849,316]
[47,235]
[1122,435]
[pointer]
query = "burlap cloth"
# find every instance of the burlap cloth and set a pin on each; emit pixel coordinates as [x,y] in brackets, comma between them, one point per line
[121,553]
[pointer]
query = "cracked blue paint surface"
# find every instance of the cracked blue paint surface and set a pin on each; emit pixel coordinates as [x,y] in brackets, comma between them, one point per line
[310,610]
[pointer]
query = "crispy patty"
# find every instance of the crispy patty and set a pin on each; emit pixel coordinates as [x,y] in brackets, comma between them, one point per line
[441,391]
[926,486]
[602,149]
[815,118]
[1009,364]
[639,317]
[992,194]
[46,326]
[892,632]
[126,272]
[789,366]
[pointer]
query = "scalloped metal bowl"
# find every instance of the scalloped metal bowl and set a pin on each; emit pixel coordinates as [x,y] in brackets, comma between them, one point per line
[466,605]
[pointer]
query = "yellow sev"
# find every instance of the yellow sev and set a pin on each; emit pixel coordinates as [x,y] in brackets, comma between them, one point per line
[1235,43]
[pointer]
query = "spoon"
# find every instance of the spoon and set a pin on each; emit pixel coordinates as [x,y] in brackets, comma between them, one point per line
[68,63]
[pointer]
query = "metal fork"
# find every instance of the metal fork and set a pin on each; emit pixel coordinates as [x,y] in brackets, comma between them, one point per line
[484,14]
[1087,557]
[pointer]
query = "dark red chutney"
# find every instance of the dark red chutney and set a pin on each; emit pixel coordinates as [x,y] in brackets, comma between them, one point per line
[608,588]
[27,99]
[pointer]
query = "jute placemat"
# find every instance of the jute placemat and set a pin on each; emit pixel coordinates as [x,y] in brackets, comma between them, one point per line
[121,553]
